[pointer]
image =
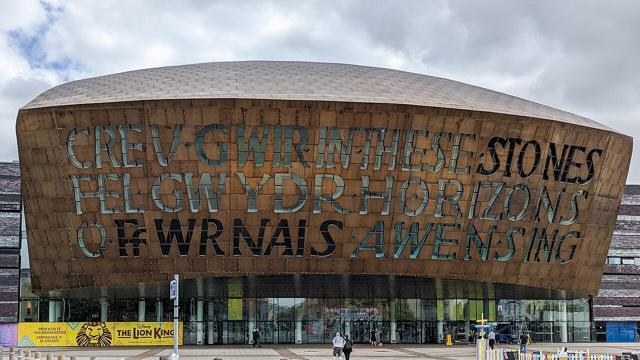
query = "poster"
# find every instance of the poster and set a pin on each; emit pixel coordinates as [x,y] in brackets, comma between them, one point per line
[97,334]
[42,334]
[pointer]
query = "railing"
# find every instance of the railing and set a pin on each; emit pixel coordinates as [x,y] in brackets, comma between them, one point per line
[501,354]
[484,353]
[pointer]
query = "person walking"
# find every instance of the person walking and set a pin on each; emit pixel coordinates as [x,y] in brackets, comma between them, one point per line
[338,344]
[372,337]
[378,341]
[492,339]
[348,347]
[524,340]
[256,338]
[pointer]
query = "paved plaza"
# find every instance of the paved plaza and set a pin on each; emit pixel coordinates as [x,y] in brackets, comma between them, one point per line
[310,352]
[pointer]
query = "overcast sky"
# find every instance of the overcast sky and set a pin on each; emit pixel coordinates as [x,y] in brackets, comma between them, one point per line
[579,56]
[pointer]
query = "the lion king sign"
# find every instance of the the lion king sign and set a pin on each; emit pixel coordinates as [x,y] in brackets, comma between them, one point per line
[96,334]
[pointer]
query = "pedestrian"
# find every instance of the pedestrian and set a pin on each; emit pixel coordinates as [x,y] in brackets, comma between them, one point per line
[524,340]
[378,342]
[338,344]
[492,339]
[348,347]
[372,338]
[256,338]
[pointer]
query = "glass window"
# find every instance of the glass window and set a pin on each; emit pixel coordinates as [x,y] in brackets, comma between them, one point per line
[83,310]
[286,309]
[29,310]
[428,309]
[130,309]
[492,309]
[529,310]
[545,310]
[509,310]
[579,310]
[380,310]
[637,261]
[449,309]
[407,309]
[463,309]
[456,309]
[358,310]
[473,307]
[264,309]
[613,260]
[327,309]
[628,261]
[216,309]
[150,309]
[580,331]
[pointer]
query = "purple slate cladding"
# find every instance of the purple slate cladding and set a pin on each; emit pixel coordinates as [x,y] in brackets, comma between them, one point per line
[618,298]
[9,241]
[9,187]
[630,190]
[622,269]
[9,229]
[620,301]
[627,227]
[615,313]
[620,241]
[629,210]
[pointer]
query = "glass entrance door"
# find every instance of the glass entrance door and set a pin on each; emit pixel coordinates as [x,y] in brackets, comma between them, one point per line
[215,332]
[360,332]
[407,332]
[429,331]
[267,332]
[541,331]
[384,329]
[235,332]
[286,332]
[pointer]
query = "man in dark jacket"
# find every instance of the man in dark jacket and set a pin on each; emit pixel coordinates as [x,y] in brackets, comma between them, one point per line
[524,340]
[256,338]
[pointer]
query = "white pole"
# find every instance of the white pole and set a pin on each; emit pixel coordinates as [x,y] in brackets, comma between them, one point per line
[175,318]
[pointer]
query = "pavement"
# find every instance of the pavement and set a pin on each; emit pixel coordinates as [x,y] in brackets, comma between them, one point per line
[309,352]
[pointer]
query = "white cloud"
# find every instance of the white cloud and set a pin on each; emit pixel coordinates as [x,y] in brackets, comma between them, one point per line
[577,57]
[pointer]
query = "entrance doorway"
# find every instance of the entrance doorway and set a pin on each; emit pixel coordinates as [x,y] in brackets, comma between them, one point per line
[429,332]
[408,332]
[360,332]
[235,332]
[286,332]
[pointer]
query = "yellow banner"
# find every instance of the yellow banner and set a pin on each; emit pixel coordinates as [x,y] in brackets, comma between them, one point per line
[97,334]
[42,334]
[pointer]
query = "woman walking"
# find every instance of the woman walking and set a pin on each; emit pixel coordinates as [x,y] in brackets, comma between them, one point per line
[348,347]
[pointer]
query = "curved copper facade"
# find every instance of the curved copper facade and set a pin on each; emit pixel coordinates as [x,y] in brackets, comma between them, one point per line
[128,192]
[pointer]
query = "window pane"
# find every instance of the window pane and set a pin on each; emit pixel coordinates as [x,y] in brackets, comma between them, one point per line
[84,310]
[29,310]
[286,309]
[429,310]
